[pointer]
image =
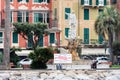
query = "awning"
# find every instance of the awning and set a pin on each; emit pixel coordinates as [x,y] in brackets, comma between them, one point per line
[95,51]
[23,52]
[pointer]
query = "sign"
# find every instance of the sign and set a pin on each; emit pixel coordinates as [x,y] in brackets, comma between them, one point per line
[62,58]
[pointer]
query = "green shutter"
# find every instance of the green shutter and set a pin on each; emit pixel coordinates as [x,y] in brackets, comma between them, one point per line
[15,37]
[10,16]
[66,32]
[52,38]
[100,39]
[27,0]
[97,2]
[30,38]
[41,41]
[48,1]
[90,2]
[1,34]
[86,14]
[86,35]
[82,2]
[27,16]
[1,37]
[67,10]
[105,2]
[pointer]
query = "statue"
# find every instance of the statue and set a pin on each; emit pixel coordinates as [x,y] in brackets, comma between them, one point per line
[72,25]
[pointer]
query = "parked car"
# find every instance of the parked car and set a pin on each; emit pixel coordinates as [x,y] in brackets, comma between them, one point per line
[26,61]
[103,60]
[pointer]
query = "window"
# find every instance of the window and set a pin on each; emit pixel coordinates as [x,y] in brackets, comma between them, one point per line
[15,37]
[52,38]
[38,1]
[38,17]
[86,14]
[86,2]
[66,32]
[22,16]
[67,10]
[101,2]
[27,17]
[23,0]
[86,35]
[19,17]
[114,1]
[55,13]
[1,37]
[100,11]
[11,0]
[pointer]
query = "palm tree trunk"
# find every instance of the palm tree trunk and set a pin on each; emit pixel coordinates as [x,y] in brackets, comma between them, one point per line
[110,35]
[6,56]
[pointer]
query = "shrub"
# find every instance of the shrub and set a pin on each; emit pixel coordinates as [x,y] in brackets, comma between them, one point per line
[13,56]
[116,47]
[40,57]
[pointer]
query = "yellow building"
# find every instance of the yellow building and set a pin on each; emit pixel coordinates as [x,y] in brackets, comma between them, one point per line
[86,12]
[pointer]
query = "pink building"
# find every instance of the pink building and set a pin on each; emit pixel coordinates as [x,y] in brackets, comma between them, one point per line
[31,11]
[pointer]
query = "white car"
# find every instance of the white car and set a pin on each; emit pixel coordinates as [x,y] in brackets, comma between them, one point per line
[26,61]
[103,60]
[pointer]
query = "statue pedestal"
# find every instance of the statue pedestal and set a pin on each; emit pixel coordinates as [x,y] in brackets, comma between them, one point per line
[72,47]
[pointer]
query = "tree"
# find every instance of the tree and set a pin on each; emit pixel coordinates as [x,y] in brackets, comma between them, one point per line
[108,23]
[34,31]
[6,55]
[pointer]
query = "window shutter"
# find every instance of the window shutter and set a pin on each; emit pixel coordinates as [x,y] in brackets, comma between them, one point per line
[15,37]
[100,39]
[41,40]
[52,37]
[82,2]
[86,14]
[105,2]
[48,1]
[86,35]
[66,32]
[67,10]
[90,2]
[30,41]
[97,2]
[27,0]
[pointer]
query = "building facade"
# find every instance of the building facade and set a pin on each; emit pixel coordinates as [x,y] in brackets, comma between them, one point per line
[31,11]
[86,12]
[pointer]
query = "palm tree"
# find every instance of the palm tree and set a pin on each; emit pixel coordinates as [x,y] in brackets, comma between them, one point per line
[108,23]
[6,56]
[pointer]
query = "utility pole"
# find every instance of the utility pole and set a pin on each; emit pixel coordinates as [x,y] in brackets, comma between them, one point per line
[6,55]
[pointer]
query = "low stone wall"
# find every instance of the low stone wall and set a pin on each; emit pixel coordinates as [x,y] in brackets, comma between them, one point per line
[59,75]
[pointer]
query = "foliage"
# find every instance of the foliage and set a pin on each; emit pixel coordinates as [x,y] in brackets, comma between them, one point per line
[115,66]
[116,47]
[40,57]
[1,57]
[29,29]
[13,56]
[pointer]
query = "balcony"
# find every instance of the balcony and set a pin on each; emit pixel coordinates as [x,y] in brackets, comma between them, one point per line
[54,26]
